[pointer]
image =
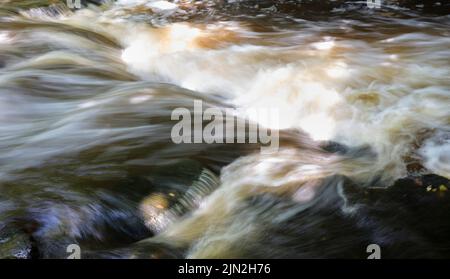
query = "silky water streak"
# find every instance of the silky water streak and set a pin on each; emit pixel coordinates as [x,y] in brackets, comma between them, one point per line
[225,127]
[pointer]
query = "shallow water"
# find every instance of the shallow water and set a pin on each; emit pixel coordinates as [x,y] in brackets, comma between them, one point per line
[86,155]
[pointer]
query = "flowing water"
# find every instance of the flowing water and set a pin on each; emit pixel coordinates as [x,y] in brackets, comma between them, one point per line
[86,155]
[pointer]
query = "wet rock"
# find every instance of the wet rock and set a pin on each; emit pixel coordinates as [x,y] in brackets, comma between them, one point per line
[146,249]
[335,147]
[435,181]
[14,244]
[161,209]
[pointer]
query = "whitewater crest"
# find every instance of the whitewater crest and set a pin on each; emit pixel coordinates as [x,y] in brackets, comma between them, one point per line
[89,103]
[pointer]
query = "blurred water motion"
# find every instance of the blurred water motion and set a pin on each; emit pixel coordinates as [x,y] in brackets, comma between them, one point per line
[86,156]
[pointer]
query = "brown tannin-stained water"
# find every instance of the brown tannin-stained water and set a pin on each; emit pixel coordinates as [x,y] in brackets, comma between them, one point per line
[86,155]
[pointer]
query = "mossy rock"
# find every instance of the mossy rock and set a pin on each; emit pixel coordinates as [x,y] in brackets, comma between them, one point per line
[14,244]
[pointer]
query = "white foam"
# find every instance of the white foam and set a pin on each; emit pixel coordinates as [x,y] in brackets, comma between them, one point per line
[338,70]
[362,96]
[436,155]
[326,44]
[88,104]
[304,194]
[139,99]
[131,2]
[5,37]
[162,5]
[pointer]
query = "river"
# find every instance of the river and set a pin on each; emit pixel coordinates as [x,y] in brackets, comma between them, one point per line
[86,155]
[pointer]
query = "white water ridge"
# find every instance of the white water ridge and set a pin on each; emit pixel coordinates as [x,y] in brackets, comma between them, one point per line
[86,155]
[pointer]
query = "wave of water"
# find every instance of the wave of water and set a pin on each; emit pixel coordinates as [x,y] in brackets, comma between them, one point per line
[86,155]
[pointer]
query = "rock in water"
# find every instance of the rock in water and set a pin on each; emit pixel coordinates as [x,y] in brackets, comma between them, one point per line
[14,244]
[158,214]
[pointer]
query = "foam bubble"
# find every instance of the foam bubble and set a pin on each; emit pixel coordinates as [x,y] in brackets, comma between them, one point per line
[436,155]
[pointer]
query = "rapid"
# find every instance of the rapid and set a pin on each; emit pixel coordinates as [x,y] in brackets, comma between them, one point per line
[86,155]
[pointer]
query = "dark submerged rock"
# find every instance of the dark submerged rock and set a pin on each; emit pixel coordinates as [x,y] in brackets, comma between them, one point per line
[14,244]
